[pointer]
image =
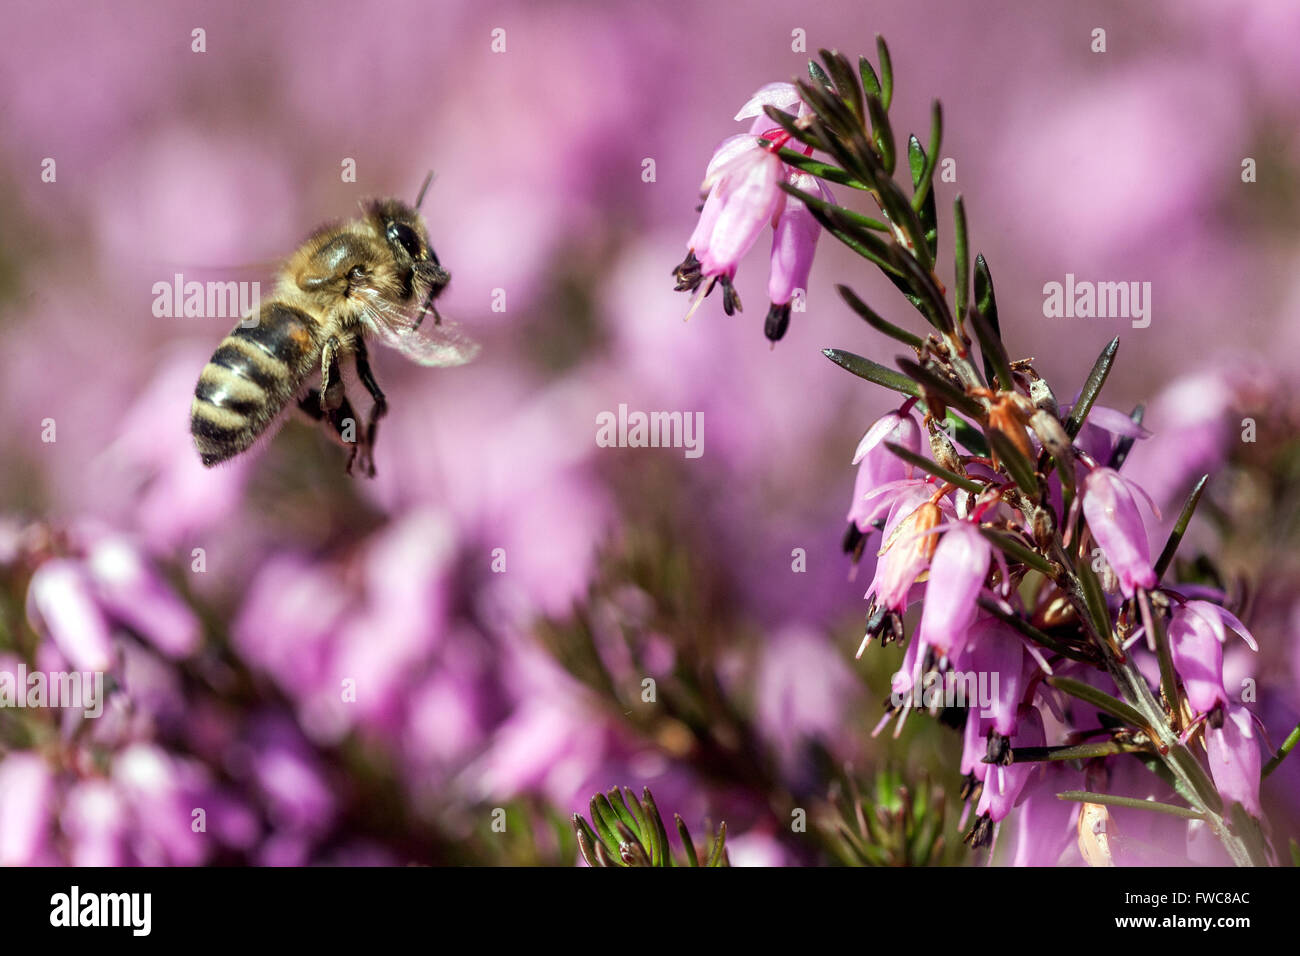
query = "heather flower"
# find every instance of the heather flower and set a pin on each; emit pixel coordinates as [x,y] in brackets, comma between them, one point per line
[96,822]
[300,802]
[1004,785]
[878,467]
[974,747]
[783,96]
[957,573]
[1045,824]
[743,195]
[1234,756]
[793,244]
[1117,528]
[1196,638]
[61,603]
[162,789]
[26,791]
[133,593]
[907,547]
[993,647]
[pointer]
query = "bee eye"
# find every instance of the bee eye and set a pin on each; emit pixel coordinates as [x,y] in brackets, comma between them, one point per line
[401,233]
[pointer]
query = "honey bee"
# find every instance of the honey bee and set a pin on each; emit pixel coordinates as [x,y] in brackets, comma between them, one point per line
[374,276]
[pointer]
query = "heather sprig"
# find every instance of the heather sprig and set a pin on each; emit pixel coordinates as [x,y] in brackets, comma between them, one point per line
[625,831]
[1025,549]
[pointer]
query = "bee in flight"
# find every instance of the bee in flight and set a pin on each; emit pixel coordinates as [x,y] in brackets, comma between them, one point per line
[374,276]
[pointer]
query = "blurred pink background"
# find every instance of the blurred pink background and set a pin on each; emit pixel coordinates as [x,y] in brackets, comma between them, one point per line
[1117,166]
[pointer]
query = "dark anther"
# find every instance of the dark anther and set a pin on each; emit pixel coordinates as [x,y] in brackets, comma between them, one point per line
[730,297]
[853,541]
[778,320]
[981,834]
[998,750]
[688,274]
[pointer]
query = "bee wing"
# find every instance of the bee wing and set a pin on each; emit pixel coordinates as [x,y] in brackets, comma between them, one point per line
[438,344]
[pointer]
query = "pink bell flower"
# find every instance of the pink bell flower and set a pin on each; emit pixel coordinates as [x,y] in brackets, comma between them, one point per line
[1196,638]
[878,467]
[1234,757]
[60,597]
[794,242]
[1117,527]
[957,574]
[26,798]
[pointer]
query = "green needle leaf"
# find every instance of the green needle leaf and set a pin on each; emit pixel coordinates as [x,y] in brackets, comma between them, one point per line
[875,321]
[1012,547]
[966,433]
[716,856]
[818,74]
[847,218]
[1180,528]
[932,381]
[870,82]
[1288,745]
[882,132]
[961,257]
[1094,599]
[925,207]
[687,842]
[832,174]
[934,468]
[605,820]
[873,372]
[997,366]
[1099,699]
[832,112]
[1133,803]
[846,84]
[859,239]
[923,178]
[1155,625]
[657,819]
[1020,468]
[624,814]
[986,304]
[1092,387]
[649,834]
[886,72]
[1077,752]
[587,840]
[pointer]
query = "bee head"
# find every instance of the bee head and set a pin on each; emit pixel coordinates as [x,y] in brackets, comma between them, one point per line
[408,240]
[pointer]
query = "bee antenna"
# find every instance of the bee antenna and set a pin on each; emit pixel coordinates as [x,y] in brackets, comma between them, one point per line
[423,189]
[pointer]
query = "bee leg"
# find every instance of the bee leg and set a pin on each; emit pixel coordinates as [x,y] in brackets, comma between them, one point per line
[379,406]
[332,403]
[344,420]
[331,383]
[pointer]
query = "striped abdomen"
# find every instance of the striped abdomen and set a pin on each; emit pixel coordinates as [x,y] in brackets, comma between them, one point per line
[250,379]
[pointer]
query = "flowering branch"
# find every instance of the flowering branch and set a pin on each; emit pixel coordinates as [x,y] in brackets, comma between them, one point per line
[1015,531]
